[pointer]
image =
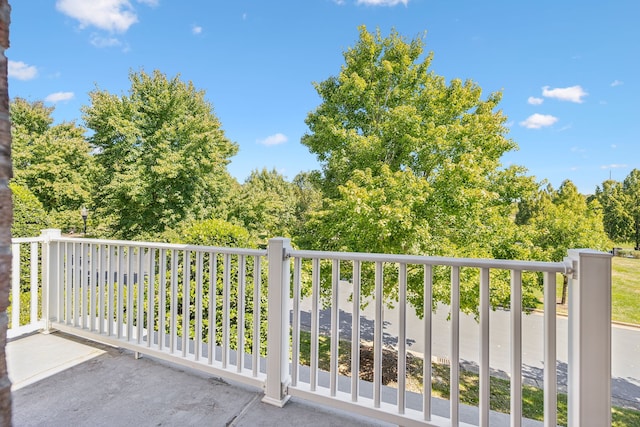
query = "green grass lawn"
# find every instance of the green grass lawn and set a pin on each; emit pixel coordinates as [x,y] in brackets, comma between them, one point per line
[625,291]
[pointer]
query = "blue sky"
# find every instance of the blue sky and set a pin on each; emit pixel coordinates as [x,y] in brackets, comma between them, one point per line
[569,70]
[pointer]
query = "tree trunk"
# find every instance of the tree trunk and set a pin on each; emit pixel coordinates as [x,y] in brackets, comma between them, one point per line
[6,213]
[565,284]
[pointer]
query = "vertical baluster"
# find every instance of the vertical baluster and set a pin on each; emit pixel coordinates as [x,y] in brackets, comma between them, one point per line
[315,322]
[186,301]
[257,315]
[226,307]
[15,286]
[335,320]
[198,320]
[140,303]
[241,311]
[69,283]
[77,283]
[295,338]
[402,339]
[355,332]
[33,282]
[120,290]
[130,291]
[61,275]
[427,303]
[550,356]
[85,269]
[102,272]
[110,289]
[484,348]
[213,285]
[454,392]
[93,283]
[151,298]
[162,302]
[516,348]
[173,330]
[377,338]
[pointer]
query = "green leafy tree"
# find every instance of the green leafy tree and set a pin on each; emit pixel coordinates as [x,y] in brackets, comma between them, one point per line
[621,207]
[308,196]
[631,188]
[29,217]
[163,155]
[53,161]
[411,163]
[266,204]
[617,220]
[558,220]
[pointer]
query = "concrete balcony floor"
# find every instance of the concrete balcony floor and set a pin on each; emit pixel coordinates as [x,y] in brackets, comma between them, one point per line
[61,380]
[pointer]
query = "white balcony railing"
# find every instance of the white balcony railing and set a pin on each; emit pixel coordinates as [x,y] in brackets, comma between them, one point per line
[237,313]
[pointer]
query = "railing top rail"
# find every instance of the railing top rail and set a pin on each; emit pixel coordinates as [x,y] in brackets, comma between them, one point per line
[542,266]
[16,240]
[169,246]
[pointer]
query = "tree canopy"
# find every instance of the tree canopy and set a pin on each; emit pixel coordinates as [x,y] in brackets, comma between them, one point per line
[163,155]
[266,204]
[387,115]
[53,161]
[411,163]
[621,208]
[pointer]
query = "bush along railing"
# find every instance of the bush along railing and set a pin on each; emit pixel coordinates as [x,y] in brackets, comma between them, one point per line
[250,315]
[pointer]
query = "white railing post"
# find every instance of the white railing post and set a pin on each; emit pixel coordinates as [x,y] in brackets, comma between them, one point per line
[278,322]
[589,382]
[50,275]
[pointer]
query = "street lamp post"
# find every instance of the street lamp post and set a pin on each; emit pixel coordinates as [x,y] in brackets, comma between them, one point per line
[85,213]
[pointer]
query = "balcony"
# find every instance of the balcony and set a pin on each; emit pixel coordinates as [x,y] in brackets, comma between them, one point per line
[154,300]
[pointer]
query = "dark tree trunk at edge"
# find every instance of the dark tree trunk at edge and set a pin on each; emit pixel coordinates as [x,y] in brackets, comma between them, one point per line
[6,213]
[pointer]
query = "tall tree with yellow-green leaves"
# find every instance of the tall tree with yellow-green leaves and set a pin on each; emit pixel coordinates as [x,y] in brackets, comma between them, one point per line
[411,163]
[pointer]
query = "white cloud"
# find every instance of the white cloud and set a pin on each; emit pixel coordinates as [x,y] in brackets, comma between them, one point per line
[152,3]
[382,2]
[616,83]
[59,96]
[537,121]
[111,15]
[614,146]
[99,41]
[535,101]
[21,71]
[614,166]
[196,29]
[275,139]
[572,93]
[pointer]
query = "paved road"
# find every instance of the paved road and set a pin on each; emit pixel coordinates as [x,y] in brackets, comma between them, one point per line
[625,367]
